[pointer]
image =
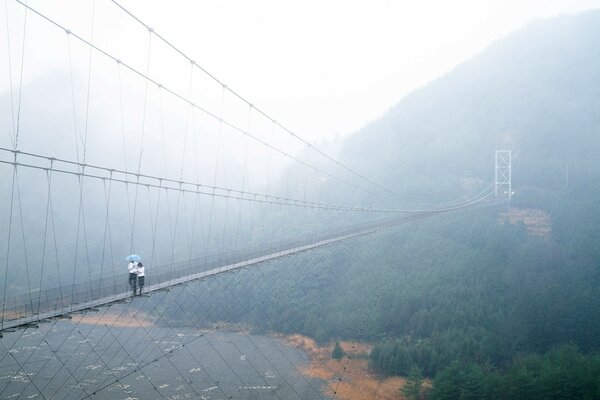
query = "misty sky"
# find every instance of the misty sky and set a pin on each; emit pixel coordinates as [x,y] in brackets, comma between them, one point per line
[318,67]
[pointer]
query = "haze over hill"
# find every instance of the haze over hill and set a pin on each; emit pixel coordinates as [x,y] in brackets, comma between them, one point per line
[460,296]
[484,305]
[535,92]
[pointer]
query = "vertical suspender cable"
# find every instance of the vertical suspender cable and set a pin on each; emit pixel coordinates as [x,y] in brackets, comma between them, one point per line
[21,81]
[89,84]
[153,254]
[212,201]
[16,144]
[189,111]
[131,248]
[60,286]
[244,172]
[107,201]
[12,101]
[76,133]
[49,179]
[14,140]
[8,242]
[80,177]
[122,118]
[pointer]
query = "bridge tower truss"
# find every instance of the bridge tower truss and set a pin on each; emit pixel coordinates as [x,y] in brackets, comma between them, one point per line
[503,175]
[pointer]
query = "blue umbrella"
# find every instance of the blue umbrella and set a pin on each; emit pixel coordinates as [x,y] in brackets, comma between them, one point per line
[133,258]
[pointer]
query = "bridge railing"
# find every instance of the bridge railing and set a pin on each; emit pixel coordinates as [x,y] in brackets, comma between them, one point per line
[114,287]
[67,296]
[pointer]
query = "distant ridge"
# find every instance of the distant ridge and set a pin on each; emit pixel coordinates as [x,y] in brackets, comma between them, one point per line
[536,92]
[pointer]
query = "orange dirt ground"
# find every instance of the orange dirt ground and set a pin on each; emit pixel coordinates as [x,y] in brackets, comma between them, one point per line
[125,320]
[350,377]
[537,221]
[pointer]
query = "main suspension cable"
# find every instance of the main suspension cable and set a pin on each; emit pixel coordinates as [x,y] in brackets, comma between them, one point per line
[260,111]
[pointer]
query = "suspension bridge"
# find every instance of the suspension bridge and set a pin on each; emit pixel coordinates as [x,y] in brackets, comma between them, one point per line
[194,177]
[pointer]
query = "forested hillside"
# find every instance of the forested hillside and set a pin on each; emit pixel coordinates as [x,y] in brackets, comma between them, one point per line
[535,92]
[477,303]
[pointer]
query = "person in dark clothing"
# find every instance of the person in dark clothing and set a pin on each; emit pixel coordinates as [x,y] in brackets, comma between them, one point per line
[141,276]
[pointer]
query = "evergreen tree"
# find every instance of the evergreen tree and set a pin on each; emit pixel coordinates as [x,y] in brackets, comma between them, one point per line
[338,352]
[412,388]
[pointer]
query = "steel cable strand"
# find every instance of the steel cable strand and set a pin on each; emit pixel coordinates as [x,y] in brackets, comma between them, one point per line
[196,201]
[51,208]
[188,315]
[9,237]
[13,130]
[118,380]
[74,352]
[85,136]
[294,278]
[262,304]
[70,333]
[352,232]
[89,84]
[97,323]
[16,142]
[186,228]
[340,378]
[335,390]
[134,371]
[189,111]
[138,368]
[282,354]
[54,352]
[179,372]
[128,307]
[245,195]
[120,316]
[26,361]
[87,250]
[81,184]
[172,333]
[130,219]
[107,201]
[76,252]
[258,268]
[172,364]
[247,337]
[23,369]
[197,210]
[49,179]
[155,360]
[81,168]
[251,197]
[59,349]
[24,239]
[166,352]
[143,130]
[179,194]
[154,224]
[6,354]
[85,340]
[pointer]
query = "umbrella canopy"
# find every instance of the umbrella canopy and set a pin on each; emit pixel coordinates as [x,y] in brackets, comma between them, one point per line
[133,258]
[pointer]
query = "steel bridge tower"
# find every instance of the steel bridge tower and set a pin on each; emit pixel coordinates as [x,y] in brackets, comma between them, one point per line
[503,175]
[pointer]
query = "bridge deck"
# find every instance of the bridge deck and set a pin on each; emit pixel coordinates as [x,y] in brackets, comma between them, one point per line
[15,317]
[18,320]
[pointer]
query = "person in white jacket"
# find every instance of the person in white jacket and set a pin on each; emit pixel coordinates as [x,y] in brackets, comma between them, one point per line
[141,276]
[133,277]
